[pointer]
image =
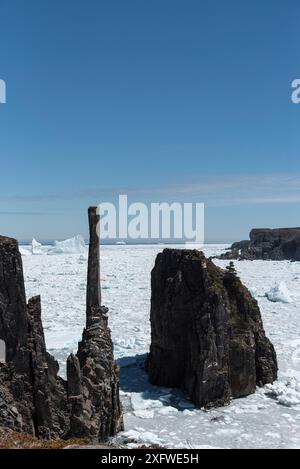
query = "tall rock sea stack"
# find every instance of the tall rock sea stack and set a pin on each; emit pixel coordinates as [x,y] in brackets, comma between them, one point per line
[93,377]
[93,289]
[207,336]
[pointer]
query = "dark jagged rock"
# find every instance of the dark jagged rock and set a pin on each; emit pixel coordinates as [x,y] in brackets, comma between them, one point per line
[15,383]
[28,383]
[14,321]
[207,336]
[33,398]
[94,384]
[235,250]
[93,373]
[51,413]
[267,244]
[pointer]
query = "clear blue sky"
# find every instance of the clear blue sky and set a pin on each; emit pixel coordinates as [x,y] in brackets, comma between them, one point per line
[162,99]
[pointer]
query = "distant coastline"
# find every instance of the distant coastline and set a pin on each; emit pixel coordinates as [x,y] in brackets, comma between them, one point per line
[116,242]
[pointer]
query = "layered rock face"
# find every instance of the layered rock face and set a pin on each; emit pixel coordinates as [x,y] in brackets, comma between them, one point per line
[33,398]
[93,384]
[207,336]
[268,244]
[50,406]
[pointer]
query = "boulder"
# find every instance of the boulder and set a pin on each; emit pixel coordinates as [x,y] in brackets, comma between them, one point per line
[207,336]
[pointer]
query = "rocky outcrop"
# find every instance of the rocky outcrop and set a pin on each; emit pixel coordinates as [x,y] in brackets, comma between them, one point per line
[50,406]
[13,314]
[93,384]
[267,244]
[33,398]
[93,376]
[207,336]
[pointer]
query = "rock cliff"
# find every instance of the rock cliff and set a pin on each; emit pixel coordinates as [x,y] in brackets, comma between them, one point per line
[33,398]
[267,244]
[29,385]
[207,336]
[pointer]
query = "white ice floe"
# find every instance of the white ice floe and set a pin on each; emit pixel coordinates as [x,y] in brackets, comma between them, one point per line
[279,294]
[286,393]
[74,245]
[37,248]
[144,414]
[227,431]
[167,410]
[142,436]
[254,292]
[204,447]
[82,259]
[25,250]
[143,401]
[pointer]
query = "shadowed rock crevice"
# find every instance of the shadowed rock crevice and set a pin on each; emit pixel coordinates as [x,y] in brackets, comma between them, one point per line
[207,336]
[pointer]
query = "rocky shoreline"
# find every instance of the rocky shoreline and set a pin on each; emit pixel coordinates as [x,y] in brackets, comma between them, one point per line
[267,244]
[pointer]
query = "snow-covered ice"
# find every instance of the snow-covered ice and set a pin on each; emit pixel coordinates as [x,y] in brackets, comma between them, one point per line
[74,245]
[25,250]
[279,293]
[37,248]
[153,415]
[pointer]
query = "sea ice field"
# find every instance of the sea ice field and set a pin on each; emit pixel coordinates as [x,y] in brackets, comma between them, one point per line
[270,418]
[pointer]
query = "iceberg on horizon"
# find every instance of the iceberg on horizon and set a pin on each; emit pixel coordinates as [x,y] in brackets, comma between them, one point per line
[74,245]
[36,247]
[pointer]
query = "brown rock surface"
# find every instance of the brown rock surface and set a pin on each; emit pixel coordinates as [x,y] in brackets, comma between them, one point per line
[207,336]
